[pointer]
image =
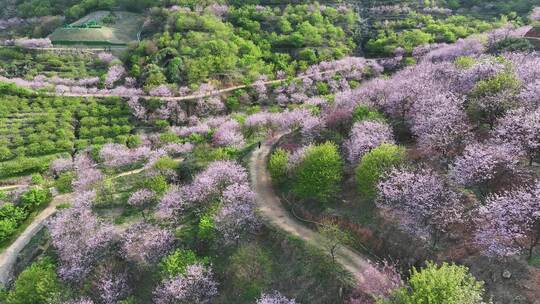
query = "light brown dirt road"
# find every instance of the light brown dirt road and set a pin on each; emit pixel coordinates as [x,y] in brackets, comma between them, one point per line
[273,212]
[10,187]
[9,256]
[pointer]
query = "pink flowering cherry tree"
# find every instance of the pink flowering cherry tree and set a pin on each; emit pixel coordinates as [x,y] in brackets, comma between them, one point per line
[509,222]
[142,199]
[421,201]
[521,128]
[229,134]
[486,166]
[110,286]
[145,244]
[237,218]
[80,239]
[365,136]
[197,285]
[440,125]
[114,74]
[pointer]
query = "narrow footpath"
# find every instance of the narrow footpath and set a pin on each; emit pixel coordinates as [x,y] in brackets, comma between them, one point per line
[273,212]
[8,258]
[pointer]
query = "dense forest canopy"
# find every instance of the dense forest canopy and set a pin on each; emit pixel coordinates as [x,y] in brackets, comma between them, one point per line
[241,42]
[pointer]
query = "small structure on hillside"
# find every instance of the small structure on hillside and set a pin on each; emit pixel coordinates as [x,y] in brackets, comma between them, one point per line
[92,23]
[534,37]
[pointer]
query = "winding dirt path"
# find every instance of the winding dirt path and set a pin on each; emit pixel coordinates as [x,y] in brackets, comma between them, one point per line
[276,215]
[8,258]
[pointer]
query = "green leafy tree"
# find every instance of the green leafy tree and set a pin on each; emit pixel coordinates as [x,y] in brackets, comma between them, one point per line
[64,182]
[5,153]
[320,173]
[374,165]
[176,263]
[10,218]
[334,238]
[207,229]
[448,283]
[133,141]
[362,113]
[157,183]
[277,165]
[486,105]
[37,284]
[35,197]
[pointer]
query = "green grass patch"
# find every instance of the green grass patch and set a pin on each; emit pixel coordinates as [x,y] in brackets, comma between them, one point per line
[535,260]
[123,30]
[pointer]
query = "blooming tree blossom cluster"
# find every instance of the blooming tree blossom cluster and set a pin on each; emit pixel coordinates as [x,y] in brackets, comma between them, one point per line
[87,175]
[144,243]
[167,150]
[260,87]
[17,21]
[207,101]
[431,101]
[111,287]
[82,86]
[116,155]
[172,204]
[309,125]
[535,14]
[421,201]
[236,219]
[462,47]
[137,109]
[225,181]
[274,298]
[229,134]
[485,165]
[521,128]
[212,181]
[396,9]
[440,125]
[197,285]
[114,74]
[171,110]
[80,239]
[509,222]
[81,301]
[60,165]
[379,281]
[220,10]
[365,136]
[141,198]
[437,10]
[106,57]
[28,43]
[506,31]
[349,68]
[161,91]
[201,129]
